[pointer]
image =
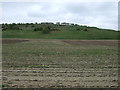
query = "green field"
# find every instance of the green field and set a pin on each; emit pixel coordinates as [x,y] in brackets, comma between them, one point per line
[66,32]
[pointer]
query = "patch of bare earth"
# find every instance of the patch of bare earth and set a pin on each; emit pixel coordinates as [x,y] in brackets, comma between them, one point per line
[60,78]
[92,42]
[10,41]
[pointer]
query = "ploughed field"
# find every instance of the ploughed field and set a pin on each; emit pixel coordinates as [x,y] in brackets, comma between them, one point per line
[36,63]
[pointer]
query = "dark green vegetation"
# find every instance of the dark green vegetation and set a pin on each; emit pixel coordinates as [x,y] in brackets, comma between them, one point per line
[56,31]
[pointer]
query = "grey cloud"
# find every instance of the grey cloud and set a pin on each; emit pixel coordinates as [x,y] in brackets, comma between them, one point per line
[101,14]
[92,13]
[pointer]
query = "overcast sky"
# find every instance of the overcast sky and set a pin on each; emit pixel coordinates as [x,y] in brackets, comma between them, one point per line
[99,14]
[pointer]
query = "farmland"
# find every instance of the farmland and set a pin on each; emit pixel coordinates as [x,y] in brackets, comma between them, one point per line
[67,58]
[54,63]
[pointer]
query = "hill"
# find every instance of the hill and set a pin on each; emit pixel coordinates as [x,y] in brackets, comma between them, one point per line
[57,31]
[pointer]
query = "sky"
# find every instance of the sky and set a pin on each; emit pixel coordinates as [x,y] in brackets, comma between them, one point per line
[98,14]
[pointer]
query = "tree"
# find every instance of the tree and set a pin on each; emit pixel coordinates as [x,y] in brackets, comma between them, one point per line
[4,27]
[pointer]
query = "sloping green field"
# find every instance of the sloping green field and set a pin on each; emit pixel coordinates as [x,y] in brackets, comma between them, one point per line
[66,32]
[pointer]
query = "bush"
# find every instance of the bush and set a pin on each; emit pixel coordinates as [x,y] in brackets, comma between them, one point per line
[32,25]
[78,29]
[4,27]
[46,30]
[38,29]
[13,27]
[85,30]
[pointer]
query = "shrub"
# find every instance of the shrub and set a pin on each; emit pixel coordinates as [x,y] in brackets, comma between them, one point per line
[78,29]
[32,25]
[13,27]
[4,27]
[85,30]
[46,30]
[38,29]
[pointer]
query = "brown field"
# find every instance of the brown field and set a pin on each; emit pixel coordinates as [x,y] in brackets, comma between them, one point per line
[4,41]
[75,42]
[63,64]
[93,42]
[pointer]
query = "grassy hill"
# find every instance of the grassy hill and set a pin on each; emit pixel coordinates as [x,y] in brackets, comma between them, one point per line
[60,32]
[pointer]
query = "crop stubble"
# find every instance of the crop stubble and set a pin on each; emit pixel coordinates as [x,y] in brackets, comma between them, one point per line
[60,66]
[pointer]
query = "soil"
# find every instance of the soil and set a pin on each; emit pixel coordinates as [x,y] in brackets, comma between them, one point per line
[60,78]
[5,41]
[93,42]
[74,42]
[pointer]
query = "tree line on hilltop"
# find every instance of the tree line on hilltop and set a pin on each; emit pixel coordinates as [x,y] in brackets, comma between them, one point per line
[45,27]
